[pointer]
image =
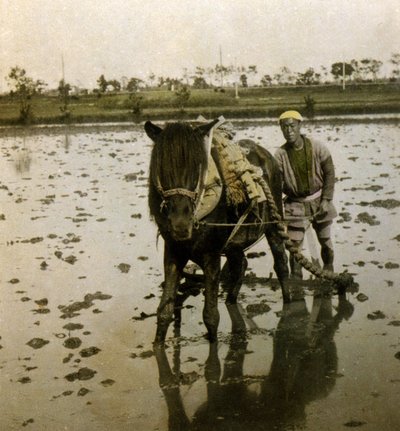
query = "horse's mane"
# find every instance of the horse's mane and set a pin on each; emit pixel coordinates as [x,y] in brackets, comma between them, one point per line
[178,157]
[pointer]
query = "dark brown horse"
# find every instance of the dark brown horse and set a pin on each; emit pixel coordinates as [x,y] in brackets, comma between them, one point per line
[178,161]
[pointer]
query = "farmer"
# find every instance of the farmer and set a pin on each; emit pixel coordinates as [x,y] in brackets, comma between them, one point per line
[308,176]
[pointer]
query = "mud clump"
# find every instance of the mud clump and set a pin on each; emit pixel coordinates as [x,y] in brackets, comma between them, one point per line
[388,204]
[362,297]
[353,424]
[391,265]
[73,326]
[90,351]
[345,217]
[82,392]
[37,343]
[72,343]
[124,268]
[376,315]
[364,217]
[82,374]
[70,311]
[394,323]
[260,308]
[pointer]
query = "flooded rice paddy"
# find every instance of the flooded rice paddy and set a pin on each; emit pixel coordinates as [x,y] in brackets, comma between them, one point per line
[81,269]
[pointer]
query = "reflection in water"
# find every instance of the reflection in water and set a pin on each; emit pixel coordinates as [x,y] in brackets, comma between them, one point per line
[23,158]
[303,369]
[67,142]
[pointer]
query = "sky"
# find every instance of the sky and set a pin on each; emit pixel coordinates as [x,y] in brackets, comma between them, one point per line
[134,38]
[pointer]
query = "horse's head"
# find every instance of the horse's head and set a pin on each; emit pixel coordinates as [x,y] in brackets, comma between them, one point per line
[178,162]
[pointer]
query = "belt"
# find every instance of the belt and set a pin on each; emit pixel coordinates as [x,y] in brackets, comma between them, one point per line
[308,198]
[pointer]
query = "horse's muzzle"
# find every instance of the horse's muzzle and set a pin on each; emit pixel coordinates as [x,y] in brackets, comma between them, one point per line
[181,233]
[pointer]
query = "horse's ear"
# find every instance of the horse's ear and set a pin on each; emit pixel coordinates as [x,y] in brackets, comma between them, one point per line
[205,128]
[152,130]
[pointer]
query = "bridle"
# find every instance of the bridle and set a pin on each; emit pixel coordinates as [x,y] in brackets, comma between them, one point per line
[193,195]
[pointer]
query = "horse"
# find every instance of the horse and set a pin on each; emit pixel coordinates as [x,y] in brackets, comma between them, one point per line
[178,161]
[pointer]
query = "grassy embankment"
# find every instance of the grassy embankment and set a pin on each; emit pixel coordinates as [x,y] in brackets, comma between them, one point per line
[252,103]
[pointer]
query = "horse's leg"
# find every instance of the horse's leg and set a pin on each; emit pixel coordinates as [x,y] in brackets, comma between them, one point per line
[211,268]
[237,264]
[281,268]
[165,311]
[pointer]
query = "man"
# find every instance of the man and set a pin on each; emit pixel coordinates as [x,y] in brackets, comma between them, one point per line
[308,176]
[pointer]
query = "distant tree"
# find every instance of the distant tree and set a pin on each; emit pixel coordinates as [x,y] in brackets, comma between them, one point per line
[221,72]
[24,88]
[102,83]
[133,84]
[169,83]
[152,78]
[199,82]
[210,73]
[309,77]
[182,95]
[357,75]
[124,82]
[64,90]
[324,73]
[198,78]
[266,81]
[370,68]
[337,70]
[395,60]
[200,71]
[309,109]
[284,76]
[161,81]
[136,105]
[375,67]
[115,85]
[252,70]
[243,80]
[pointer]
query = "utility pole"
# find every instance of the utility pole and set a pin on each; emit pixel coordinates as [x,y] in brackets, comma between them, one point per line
[220,66]
[62,68]
[343,76]
[236,81]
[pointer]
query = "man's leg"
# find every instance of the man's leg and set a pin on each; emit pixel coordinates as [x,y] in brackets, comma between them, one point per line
[323,231]
[296,235]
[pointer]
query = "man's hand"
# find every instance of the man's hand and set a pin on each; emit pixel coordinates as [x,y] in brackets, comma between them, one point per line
[323,208]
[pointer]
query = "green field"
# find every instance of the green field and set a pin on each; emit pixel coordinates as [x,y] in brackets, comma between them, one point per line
[252,103]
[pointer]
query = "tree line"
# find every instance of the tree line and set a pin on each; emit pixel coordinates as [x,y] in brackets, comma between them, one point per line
[364,70]
[23,87]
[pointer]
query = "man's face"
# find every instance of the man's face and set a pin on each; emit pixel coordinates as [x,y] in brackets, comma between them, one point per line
[290,129]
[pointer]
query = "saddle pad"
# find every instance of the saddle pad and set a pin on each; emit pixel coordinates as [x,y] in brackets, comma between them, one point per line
[212,191]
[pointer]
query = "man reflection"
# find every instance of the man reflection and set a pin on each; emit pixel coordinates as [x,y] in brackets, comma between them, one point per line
[303,369]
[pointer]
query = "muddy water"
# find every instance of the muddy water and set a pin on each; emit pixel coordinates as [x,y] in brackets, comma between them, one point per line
[80,280]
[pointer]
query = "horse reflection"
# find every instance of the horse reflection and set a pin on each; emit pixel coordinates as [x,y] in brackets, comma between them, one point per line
[303,369]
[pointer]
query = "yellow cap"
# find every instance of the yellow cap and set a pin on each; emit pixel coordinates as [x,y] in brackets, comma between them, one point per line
[291,114]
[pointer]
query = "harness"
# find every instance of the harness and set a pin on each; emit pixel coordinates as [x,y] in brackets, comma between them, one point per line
[193,195]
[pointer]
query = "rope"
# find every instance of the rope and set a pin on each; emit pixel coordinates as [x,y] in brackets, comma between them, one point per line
[256,223]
